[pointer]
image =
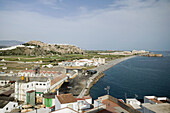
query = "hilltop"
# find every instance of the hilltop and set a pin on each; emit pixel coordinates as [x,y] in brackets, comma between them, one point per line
[37,48]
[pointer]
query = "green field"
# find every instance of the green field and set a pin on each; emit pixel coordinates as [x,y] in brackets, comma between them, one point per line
[22,62]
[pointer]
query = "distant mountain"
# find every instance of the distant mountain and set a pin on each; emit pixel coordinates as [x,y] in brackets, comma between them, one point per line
[38,48]
[7,43]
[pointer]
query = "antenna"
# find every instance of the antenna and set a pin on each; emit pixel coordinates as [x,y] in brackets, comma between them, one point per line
[125,96]
[107,89]
[136,95]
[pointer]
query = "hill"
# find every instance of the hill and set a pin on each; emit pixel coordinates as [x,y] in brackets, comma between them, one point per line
[38,48]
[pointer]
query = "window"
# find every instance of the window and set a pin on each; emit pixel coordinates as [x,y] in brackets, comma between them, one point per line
[14,105]
[32,84]
[7,108]
[27,86]
[40,84]
[2,82]
[44,84]
[36,83]
[5,82]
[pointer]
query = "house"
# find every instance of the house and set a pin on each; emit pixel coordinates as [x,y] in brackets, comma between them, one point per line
[84,103]
[31,86]
[156,100]
[99,60]
[153,104]
[77,104]
[110,104]
[7,106]
[32,73]
[156,108]
[83,62]
[65,100]
[49,99]
[134,103]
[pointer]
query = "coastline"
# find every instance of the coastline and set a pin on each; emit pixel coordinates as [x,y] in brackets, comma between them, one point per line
[93,79]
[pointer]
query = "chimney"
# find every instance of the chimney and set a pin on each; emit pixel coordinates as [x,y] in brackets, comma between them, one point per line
[57,91]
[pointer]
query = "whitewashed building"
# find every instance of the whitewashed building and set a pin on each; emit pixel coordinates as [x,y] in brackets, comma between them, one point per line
[68,100]
[134,103]
[38,84]
[7,106]
[83,62]
[31,73]
[65,100]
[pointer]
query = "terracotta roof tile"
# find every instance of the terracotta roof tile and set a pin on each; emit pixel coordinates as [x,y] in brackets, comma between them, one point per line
[66,98]
[57,79]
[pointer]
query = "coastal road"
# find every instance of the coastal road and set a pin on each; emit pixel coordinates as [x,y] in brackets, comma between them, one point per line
[101,69]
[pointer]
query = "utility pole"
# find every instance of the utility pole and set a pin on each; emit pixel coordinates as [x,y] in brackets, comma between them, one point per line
[136,96]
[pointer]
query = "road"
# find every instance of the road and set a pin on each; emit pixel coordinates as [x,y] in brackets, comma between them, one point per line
[99,70]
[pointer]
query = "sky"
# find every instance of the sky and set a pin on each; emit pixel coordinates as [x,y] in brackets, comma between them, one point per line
[89,24]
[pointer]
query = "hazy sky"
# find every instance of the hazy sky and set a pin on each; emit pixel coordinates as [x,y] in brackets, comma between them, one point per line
[89,24]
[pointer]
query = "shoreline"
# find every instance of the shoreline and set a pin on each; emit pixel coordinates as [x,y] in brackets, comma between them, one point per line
[93,79]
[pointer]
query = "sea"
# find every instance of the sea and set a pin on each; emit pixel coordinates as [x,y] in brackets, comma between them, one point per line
[136,77]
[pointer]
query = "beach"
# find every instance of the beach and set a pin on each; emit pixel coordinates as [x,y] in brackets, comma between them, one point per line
[100,69]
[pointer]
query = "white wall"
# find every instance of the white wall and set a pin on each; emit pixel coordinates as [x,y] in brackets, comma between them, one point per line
[4,82]
[43,85]
[10,106]
[21,90]
[74,105]
[57,104]
[147,99]
[89,100]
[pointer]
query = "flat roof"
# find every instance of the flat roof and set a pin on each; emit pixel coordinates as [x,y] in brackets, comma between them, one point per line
[158,108]
[31,79]
[49,95]
[3,103]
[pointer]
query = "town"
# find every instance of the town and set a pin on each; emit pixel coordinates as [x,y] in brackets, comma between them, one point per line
[39,84]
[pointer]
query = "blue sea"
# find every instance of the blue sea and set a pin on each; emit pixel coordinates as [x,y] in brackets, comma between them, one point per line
[141,76]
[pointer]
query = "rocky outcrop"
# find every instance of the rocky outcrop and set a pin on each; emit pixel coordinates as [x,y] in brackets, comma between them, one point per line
[153,55]
[36,48]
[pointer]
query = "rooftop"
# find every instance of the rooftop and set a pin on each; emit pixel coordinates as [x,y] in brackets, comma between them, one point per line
[3,103]
[57,79]
[134,103]
[158,108]
[49,95]
[87,97]
[158,100]
[12,78]
[115,105]
[66,98]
